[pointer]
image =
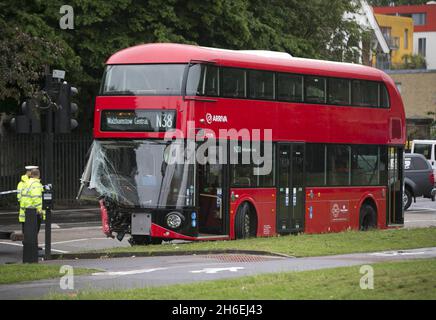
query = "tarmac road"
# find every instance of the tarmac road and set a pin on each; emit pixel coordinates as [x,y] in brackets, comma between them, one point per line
[73,235]
[137,272]
[152,271]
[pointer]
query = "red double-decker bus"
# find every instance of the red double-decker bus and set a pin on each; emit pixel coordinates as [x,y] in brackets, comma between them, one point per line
[287,145]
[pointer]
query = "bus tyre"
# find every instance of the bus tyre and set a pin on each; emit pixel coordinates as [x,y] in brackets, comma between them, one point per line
[144,240]
[245,222]
[368,218]
[407,199]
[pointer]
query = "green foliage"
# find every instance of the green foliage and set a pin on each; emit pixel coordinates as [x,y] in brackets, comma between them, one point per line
[412,61]
[32,37]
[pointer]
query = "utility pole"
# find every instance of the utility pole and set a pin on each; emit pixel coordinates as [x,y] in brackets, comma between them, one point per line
[48,145]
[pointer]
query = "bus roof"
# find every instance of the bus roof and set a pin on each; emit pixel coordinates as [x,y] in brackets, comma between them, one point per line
[182,53]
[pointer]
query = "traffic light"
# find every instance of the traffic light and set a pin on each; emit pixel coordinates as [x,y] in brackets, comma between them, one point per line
[66,111]
[30,121]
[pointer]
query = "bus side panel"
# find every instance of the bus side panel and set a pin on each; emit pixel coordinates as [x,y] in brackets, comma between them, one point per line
[337,209]
[264,202]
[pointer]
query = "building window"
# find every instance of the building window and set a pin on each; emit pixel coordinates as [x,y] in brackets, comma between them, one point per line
[422,46]
[419,19]
[406,39]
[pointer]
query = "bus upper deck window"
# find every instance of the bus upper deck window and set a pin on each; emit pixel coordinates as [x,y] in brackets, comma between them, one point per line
[289,87]
[233,83]
[314,89]
[261,84]
[364,93]
[202,80]
[384,96]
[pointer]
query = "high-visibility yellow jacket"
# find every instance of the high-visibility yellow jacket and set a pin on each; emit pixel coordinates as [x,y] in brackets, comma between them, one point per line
[24,179]
[31,197]
[20,186]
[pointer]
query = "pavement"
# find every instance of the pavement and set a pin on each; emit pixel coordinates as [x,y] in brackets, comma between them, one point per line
[139,272]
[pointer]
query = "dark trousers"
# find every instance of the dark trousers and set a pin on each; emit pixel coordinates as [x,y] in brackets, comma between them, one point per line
[38,221]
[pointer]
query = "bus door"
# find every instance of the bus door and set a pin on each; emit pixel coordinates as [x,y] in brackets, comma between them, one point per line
[395,211]
[213,198]
[290,187]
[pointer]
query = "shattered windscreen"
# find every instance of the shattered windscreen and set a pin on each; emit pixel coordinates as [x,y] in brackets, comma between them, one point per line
[135,174]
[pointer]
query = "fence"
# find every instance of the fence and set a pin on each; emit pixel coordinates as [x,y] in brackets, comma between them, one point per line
[70,153]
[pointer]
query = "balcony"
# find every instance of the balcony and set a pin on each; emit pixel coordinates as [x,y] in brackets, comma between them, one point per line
[393,42]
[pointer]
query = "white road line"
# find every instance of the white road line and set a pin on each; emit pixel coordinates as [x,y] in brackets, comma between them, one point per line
[411,221]
[12,243]
[76,228]
[54,211]
[20,245]
[77,240]
[395,253]
[419,209]
[215,270]
[127,273]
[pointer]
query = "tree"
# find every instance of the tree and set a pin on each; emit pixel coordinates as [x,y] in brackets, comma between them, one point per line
[27,45]
[312,29]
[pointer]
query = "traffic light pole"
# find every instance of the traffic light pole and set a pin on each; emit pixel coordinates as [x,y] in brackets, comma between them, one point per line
[49,142]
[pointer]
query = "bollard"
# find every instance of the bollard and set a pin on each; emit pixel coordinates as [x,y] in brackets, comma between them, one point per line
[30,242]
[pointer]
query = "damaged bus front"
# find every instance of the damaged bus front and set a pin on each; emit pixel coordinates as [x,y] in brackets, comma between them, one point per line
[142,191]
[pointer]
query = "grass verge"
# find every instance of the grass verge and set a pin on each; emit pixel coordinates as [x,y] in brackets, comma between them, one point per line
[13,273]
[305,245]
[392,280]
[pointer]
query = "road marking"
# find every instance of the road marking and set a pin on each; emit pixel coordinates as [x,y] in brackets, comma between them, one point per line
[126,273]
[53,211]
[77,228]
[77,240]
[411,221]
[12,244]
[396,253]
[215,270]
[20,245]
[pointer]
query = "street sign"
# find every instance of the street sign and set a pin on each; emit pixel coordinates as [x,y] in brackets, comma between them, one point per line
[59,74]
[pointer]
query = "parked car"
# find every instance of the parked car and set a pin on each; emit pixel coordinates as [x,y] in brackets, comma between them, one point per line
[427,148]
[419,179]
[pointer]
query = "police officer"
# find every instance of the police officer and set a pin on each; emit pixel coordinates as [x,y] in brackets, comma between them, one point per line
[31,197]
[20,186]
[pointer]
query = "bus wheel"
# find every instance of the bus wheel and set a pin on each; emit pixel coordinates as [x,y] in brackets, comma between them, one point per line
[368,217]
[245,222]
[144,240]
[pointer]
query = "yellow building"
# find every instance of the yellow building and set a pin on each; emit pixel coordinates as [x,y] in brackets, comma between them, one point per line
[398,32]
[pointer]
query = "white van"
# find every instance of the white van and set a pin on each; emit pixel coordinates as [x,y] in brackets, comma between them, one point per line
[427,149]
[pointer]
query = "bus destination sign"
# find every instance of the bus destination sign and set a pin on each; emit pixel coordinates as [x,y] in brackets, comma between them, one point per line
[138,120]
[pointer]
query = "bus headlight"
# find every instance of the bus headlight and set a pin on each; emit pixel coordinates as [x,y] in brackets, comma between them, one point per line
[174,220]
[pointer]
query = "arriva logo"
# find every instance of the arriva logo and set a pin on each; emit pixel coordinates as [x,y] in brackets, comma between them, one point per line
[215,118]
